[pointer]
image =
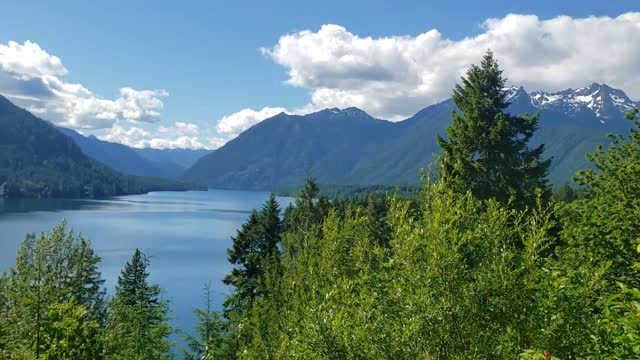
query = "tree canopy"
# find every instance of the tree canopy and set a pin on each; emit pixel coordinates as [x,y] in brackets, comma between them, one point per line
[486,150]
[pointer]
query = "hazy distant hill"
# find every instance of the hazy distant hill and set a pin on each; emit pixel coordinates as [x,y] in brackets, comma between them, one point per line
[183,158]
[162,163]
[350,147]
[38,160]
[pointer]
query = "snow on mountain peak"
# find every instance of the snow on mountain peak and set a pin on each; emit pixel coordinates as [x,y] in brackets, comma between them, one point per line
[599,98]
[352,112]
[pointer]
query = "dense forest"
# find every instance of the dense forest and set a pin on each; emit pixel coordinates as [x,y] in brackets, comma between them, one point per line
[37,160]
[333,191]
[485,263]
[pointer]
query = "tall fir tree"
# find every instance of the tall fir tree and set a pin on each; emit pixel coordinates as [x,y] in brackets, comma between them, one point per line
[253,247]
[137,316]
[309,210]
[486,151]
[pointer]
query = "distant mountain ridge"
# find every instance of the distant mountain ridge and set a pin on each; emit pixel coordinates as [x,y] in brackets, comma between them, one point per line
[604,101]
[160,163]
[184,158]
[38,160]
[598,101]
[350,147]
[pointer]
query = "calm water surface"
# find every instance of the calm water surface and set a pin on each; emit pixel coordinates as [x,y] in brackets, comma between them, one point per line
[186,234]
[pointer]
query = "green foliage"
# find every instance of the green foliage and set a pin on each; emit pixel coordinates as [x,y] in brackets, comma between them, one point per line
[618,334]
[37,160]
[255,244]
[331,191]
[603,227]
[309,210]
[212,340]
[536,355]
[487,151]
[137,318]
[603,232]
[438,289]
[565,193]
[52,305]
[451,275]
[51,269]
[70,334]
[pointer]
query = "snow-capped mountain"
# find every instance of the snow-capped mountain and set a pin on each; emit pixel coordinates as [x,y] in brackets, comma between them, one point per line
[598,101]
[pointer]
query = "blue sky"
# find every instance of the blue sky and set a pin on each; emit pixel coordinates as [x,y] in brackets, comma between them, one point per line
[207,56]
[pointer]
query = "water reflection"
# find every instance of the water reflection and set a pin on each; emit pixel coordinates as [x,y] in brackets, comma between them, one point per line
[31,205]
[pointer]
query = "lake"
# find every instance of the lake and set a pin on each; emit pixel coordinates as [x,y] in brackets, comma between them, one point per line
[185,234]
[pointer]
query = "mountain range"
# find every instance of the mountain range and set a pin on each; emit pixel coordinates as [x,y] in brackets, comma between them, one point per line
[337,146]
[39,160]
[160,163]
[348,146]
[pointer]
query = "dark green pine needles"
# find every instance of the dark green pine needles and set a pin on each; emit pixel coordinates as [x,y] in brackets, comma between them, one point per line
[486,149]
[137,317]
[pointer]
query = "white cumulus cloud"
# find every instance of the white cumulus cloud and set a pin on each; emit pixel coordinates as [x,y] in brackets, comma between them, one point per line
[31,77]
[392,77]
[181,135]
[28,60]
[234,124]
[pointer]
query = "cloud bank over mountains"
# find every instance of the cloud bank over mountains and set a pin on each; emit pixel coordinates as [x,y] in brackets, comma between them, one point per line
[32,77]
[393,77]
[234,124]
[390,77]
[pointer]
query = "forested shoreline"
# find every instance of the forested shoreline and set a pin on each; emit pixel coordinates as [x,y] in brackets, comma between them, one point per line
[484,263]
[38,161]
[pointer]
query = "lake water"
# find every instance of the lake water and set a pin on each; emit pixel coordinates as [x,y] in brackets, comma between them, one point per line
[186,235]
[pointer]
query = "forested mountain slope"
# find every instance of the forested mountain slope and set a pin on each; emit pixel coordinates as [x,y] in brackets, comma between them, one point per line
[38,160]
[350,147]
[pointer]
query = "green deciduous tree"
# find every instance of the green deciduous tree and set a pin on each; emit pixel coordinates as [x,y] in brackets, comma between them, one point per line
[53,268]
[486,150]
[137,317]
[70,333]
[458,278]
[602,227]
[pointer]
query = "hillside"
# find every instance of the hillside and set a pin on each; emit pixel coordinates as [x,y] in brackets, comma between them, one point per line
[284,149]
[182,158]
[350,147]
[37,160]
[160,163]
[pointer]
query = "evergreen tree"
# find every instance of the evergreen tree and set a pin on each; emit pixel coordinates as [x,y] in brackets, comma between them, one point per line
[565,193]
[486,149]
[255,244]
[271,226]
[212,339]
[86,284]
[376,222]
[309,210]
[137,317]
